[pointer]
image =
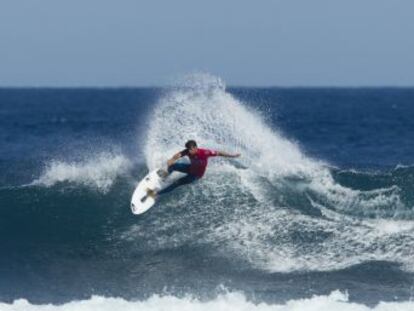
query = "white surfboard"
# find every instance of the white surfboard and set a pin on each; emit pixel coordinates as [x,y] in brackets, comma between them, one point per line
[141,201]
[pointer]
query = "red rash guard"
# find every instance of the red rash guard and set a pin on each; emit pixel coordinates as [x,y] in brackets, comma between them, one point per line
[199,161]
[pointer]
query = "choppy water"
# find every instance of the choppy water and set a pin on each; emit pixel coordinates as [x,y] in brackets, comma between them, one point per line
[318,211]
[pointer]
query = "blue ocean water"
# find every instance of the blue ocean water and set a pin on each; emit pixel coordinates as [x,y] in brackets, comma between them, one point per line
[319,205]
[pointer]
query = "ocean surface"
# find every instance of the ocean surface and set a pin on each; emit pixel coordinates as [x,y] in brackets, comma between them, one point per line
[317,213]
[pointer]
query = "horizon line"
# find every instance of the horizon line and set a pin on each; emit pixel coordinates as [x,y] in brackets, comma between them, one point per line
[227,87]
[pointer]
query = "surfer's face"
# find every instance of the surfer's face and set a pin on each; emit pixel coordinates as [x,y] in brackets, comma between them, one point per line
[192,150]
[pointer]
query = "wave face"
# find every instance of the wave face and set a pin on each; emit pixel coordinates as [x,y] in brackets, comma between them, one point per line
[282,223]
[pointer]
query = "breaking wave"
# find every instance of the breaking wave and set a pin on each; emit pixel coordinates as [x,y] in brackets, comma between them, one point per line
[98,172]
[276,207]
[337,301]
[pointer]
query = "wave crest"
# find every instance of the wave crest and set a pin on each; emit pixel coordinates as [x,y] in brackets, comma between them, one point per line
[98,172]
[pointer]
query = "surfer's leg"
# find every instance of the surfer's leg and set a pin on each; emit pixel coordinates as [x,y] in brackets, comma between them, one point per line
[179,167]
[188,179]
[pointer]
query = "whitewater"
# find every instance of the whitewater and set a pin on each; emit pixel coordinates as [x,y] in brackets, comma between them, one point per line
[230,301]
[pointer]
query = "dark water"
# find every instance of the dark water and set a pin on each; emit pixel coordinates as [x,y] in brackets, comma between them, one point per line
[322,198]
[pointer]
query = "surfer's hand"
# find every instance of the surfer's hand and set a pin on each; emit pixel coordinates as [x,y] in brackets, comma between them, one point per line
[228,155]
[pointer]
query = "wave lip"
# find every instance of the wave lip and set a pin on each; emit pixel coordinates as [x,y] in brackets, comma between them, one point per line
[336,300]
[99,172]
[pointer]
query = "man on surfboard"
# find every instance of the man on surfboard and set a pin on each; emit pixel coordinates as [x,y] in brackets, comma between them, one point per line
[195,169]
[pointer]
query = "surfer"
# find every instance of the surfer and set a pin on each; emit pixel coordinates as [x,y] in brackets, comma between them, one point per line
[194,170]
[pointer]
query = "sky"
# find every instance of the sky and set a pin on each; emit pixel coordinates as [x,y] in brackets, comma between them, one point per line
[246,43]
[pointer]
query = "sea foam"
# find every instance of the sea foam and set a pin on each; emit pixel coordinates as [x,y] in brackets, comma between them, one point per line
[336,301]
[98,171]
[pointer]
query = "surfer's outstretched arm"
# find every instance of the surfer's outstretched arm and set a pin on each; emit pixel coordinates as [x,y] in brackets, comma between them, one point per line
[228,155]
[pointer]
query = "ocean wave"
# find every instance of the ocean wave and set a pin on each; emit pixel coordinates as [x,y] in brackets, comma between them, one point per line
[279,209]
[336,300]
[98,171]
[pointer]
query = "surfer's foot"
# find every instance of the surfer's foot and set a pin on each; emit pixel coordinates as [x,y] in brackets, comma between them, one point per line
[163,173]
[151,193]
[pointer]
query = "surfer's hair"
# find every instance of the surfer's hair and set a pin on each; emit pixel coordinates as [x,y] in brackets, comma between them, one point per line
[190,144]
